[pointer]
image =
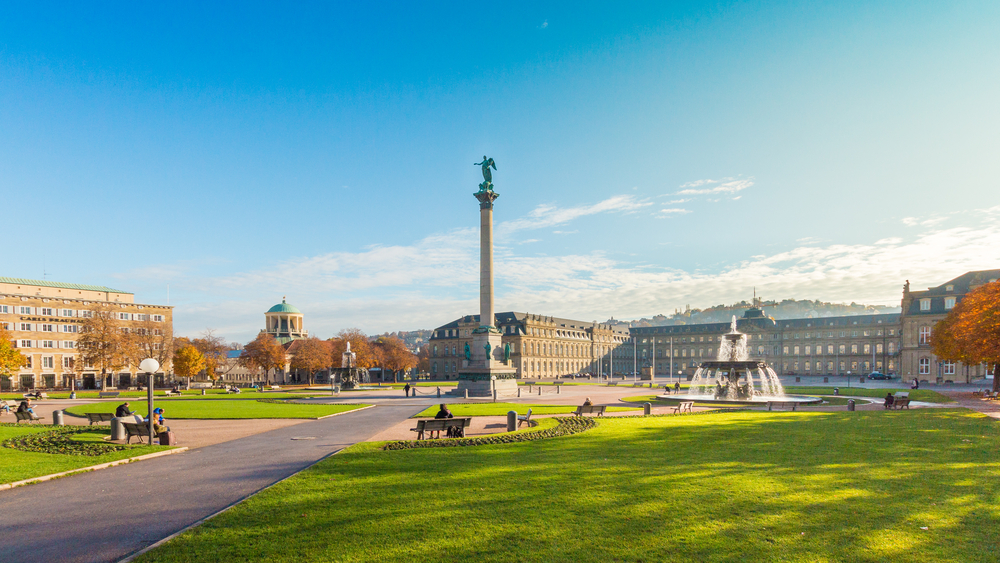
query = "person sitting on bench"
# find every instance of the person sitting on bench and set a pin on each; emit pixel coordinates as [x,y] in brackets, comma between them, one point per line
[122,410]
[25,406]
[587,402]
[443,412]
[158,426]
[888,400]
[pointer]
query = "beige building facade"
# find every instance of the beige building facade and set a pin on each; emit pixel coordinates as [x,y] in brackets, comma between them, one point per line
[44,320]
[540,346]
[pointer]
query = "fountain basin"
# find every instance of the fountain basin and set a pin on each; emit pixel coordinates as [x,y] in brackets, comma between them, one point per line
[708,398]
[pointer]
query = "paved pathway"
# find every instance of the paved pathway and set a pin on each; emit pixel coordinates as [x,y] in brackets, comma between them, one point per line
[106,515]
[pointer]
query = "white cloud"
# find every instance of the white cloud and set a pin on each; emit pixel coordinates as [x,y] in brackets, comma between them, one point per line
[551,215]
[671,212]
[435,279]
[544,24]
[723,186]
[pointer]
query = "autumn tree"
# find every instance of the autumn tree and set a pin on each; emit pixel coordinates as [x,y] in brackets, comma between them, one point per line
[188,361]
[263,354]
[312,355]
[424,359]
[151,339]
[215,350]
[105,341]
[394,356]
[971,331]
[360,345]
[11,359]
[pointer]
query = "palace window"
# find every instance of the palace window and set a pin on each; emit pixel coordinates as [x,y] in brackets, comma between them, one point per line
[878,349]
[854,348]
[925,366]
[808,350]
[925,335]
[868,348]
[925,304]
[842,349]
[949,302]
[796,348]
[829,349]
[949,368]
[892,347]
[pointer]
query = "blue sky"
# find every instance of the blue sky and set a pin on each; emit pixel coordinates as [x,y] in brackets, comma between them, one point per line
[649,156]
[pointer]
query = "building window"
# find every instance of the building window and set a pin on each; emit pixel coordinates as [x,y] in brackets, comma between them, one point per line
[66,312]
[25,344]
[70,328]
[46,312]
[892,347]
[68,344]
[854,348]
[949,288]
[47,328]
[925,335]
[24,310]
[829,349]
[48,344]
[26,326]
[4,309]
[925,366]
[48,362]
[123,316]
[878,349]
[68,362]
[867,349]
[949,302]
[949,368]
[808,350]
[925,304]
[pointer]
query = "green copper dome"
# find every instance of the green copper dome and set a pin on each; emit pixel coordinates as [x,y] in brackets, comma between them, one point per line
[284,308]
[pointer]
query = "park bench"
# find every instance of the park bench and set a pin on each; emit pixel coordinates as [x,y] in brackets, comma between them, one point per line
[30,417]
[978,392]
[99,417]
[524,418]
[37,395]
[275,387]
[135,429]
[7,407]
[590,409]
[989,396]
[172,393]
[771,405]
[613,384]
[900,403]
[108,394]
[558,383]
[684,406]
[441,425]
[638,384]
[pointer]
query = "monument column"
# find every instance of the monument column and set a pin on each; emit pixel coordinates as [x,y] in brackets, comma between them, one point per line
[486,368]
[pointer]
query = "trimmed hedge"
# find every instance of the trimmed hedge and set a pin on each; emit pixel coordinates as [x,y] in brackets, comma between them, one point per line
[566,426]
[60,441]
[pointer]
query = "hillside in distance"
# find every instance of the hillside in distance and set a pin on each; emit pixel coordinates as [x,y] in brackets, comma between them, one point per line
[785,309]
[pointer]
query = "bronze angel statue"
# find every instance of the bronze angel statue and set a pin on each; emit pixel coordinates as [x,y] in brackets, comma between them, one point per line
[487,175]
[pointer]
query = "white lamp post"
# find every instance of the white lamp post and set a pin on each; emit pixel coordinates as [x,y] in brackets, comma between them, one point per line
[149,365]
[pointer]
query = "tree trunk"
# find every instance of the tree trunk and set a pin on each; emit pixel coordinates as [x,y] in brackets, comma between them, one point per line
[996,377]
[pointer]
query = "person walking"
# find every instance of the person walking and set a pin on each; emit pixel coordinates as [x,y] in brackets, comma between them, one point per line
[407,389]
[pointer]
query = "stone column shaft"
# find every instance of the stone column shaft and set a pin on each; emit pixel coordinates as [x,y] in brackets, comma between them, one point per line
[486,265]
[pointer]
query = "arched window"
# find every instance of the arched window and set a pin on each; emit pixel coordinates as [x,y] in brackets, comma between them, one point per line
[925,335]
[925,366]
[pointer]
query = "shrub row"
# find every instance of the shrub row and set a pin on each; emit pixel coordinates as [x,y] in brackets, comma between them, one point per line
[566,426]
[60,441]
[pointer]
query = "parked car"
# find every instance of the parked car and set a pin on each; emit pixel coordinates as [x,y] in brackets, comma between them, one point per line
[877,375]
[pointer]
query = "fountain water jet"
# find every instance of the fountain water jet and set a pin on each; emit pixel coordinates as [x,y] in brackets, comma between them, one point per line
[734,378]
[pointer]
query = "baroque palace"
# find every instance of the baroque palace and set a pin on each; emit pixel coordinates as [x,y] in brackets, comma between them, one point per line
[897,344]
[44,318]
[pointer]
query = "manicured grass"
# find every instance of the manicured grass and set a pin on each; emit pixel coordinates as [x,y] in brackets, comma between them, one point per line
[220,409]
[830,401]
[500,409]
[16,465]
[192,394]
[742,486]
[925,395]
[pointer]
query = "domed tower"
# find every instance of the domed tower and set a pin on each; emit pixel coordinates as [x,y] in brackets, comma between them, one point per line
[284,322]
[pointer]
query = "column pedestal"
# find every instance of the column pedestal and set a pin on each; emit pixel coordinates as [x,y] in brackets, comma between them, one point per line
[483,374]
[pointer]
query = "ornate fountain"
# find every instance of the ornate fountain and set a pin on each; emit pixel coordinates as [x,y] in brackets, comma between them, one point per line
[349,375]
[734,378]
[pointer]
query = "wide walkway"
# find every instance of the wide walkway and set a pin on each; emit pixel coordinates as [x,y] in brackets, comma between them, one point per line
[106,515]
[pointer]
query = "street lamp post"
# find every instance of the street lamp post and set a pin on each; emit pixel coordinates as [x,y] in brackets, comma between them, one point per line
[149,365]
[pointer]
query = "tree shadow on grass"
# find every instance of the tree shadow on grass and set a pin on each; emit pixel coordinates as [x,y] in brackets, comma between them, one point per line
[731,487]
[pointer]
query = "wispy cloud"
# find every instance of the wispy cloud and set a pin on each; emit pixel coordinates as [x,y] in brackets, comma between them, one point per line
[435,279]
[552,215]
[671,212]
[544,24]
[723,186]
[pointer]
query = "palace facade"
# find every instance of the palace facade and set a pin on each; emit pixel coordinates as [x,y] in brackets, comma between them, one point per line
[44,321]
[896,344]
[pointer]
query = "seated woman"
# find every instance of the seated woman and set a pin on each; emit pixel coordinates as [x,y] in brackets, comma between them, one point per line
[158,425]
[443,412]
[888,400]
[588,403]
[25,406]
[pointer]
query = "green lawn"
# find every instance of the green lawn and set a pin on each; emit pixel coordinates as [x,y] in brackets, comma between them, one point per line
[219,409]
[830,401]
[500,409]
[741,486]
[192,394]
[16,465]
[924,395]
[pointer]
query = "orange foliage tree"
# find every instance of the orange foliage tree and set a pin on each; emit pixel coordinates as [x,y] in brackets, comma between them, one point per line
[263,354]
[312,355]
[971,331]
[360,345]
[394,356]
